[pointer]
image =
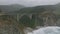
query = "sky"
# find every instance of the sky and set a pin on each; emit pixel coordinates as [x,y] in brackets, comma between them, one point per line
[29,2]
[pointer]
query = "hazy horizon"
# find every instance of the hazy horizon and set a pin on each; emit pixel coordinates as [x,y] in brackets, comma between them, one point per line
[29,2]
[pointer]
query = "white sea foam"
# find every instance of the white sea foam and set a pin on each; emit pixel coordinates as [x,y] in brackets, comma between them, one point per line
[47,30]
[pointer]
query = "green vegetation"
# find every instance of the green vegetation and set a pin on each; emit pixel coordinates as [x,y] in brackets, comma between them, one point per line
[29,16]
[25,20]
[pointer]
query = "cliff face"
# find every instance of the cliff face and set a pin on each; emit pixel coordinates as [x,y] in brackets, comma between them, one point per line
[8,29]
[8,26]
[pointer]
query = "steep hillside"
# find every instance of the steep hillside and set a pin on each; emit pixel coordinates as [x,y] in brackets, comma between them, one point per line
[38,9]
[57,10]
[10,8]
